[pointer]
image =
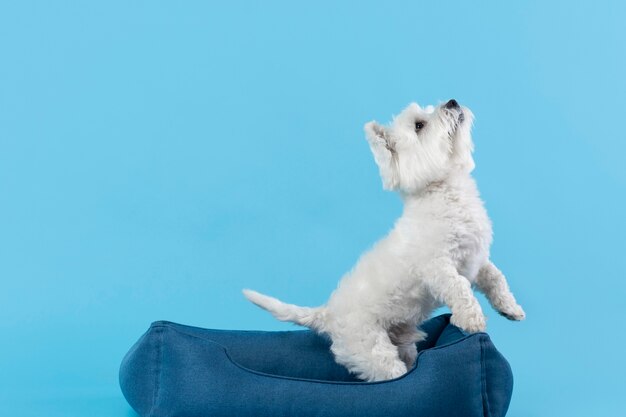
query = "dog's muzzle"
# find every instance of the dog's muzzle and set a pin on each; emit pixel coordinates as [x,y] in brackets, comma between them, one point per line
[453,107]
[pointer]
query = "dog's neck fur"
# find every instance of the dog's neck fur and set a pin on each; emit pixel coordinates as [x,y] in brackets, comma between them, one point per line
[456,181]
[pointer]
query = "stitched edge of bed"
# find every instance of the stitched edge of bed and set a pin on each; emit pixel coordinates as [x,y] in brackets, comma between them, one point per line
[483,377]
[158,367]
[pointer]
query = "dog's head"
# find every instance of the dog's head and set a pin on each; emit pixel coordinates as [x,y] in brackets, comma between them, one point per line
[422,145]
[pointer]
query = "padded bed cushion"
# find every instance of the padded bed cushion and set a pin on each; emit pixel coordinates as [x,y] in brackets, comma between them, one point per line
[184,371]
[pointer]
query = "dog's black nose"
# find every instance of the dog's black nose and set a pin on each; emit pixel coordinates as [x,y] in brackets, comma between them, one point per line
[452,104]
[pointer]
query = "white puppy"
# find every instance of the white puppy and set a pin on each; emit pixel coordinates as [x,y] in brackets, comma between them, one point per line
[437,250]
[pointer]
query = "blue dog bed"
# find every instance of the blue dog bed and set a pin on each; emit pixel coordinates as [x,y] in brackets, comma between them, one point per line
[183,371]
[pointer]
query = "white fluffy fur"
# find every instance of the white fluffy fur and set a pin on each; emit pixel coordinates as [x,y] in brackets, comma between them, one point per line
[436,252]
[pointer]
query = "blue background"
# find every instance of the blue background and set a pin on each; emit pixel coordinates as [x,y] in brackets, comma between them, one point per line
[157,157]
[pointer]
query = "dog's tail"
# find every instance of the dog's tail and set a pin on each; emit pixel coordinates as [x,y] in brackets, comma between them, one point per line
[311,317]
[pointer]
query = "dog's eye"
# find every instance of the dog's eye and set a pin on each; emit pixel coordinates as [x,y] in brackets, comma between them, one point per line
[419,126]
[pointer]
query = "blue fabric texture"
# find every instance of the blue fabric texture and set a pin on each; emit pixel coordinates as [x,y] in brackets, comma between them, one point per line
[183,371]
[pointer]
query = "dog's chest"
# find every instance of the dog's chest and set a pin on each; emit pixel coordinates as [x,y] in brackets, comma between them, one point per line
[469,241]
[468,233]
[451,222]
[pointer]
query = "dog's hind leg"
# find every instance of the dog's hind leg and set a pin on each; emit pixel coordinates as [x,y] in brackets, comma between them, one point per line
[491,282]
[368,353]
[405,336]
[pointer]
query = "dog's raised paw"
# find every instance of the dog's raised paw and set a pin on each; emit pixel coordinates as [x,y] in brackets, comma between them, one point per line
[515,313]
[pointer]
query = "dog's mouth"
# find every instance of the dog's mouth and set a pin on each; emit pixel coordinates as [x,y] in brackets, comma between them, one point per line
[460,118]
[457,116]
[455,119]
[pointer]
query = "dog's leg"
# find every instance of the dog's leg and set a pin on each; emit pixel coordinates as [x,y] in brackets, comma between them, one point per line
[405,336]
[368,353]
[454,290]
[491,282]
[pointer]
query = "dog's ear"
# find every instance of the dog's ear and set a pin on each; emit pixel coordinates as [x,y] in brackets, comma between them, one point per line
[382,147]
[378,135]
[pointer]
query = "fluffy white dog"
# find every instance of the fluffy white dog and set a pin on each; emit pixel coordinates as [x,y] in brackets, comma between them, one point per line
[437,250]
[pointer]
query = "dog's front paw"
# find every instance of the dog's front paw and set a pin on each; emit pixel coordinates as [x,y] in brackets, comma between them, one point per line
[514,312]
[471,323]
[398,369]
